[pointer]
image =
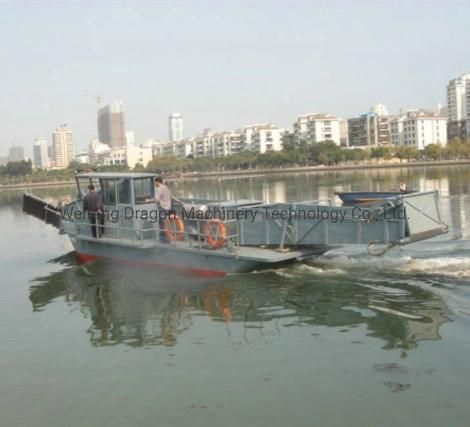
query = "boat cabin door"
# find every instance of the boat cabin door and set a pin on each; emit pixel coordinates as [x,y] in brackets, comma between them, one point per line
[118,215]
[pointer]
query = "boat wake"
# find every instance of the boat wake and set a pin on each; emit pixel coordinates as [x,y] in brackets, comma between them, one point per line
[439,259]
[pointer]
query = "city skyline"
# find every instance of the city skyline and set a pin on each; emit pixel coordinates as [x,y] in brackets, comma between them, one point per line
[345,60]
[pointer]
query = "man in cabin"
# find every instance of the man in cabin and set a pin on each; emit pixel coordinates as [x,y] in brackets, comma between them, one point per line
[163,200]
[93,205]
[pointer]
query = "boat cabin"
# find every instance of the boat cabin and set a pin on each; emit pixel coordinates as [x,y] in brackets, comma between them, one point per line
[124,195]
[118,188]
[131,215]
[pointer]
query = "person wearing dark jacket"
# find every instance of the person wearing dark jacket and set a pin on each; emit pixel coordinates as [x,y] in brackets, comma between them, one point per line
[93,205]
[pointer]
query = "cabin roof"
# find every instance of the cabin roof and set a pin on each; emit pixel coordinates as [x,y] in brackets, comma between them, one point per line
[115,175]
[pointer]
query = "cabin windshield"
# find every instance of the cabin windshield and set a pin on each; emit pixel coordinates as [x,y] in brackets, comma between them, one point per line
[123,190]
[109,191]
[116,191]
[143,189]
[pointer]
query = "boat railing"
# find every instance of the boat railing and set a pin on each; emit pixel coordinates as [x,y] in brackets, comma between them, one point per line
[193,236]
[115,231]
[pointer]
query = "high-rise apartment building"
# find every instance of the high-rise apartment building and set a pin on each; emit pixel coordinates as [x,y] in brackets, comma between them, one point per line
[111,126]
[175,127]
[62,147]
[40,155]
[458,106]
[16,154]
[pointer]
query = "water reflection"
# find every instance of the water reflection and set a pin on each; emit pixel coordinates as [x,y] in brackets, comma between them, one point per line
[139,308]
[312,186]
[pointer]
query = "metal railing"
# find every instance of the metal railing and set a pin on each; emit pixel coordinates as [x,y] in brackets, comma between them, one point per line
[136,234]
[192,237]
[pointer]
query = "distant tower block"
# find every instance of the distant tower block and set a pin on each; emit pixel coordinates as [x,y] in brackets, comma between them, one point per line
[62,146]
[175,127]
[111,127]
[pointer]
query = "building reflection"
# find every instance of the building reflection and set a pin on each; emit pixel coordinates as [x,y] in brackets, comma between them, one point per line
[137,309]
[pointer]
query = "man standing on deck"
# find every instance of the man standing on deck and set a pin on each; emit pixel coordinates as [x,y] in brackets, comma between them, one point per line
[93,204]
[163,200]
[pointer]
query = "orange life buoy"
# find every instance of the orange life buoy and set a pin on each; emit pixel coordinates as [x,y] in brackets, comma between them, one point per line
[218,238]
[174,228]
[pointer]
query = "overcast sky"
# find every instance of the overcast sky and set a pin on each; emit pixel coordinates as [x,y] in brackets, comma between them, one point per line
[221,64]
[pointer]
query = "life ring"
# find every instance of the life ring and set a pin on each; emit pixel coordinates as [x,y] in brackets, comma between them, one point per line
[173,227]
[215,240]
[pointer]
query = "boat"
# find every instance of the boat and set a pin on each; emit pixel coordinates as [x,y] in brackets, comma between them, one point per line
[218,237]
[368,196]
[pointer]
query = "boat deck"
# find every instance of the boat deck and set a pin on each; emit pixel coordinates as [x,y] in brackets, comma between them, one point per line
[253,253]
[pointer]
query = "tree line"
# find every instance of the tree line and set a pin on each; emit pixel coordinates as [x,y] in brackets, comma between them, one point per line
[292,155]
[324,153]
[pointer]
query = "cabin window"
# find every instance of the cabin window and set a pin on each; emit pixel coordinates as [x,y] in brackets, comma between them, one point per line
[109,191]
[123,188]
[143,189]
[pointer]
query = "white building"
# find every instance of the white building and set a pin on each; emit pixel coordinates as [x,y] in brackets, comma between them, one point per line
[203,145]
[458,107]
[62,147]
[158,147]
[301,128]
[397,135]
[175,127]
[83,157]
[317,127]
[227,143]
[97,151]
[267,138]
[40,156]
[247,134]
[458,98]
[379,109]
[130,138]
[135,155]
[130,156]
[418,129]
[184,149]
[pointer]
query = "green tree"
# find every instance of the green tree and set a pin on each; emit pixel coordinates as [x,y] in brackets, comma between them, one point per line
[433,151]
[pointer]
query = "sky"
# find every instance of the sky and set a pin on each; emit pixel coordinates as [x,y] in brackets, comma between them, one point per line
[220,64]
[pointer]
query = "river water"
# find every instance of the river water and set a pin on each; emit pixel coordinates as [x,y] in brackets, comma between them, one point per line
[345,339]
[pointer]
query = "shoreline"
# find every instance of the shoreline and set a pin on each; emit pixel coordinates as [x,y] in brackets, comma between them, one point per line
[37,184]
[300,169]
[257,172]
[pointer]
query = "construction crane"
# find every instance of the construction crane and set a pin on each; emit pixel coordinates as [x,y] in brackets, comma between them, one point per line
[98,100]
